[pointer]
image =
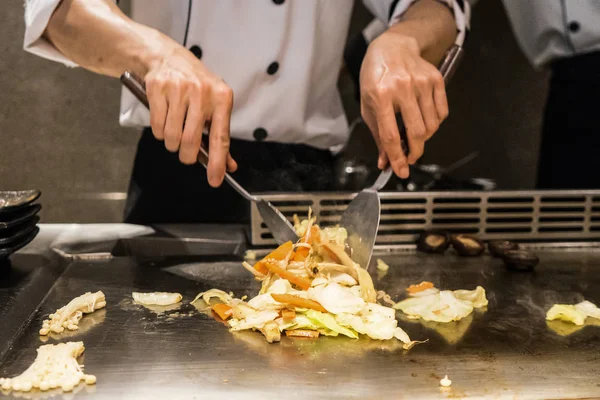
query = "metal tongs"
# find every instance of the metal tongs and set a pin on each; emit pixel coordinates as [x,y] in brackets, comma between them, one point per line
[361,218]
[279,226]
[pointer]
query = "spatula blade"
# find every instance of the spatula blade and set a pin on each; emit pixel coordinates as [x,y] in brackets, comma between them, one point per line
[361,220]
[280,227]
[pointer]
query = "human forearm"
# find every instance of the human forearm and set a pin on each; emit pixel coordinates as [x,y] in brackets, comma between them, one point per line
[431,25]
[98,36]
[183,94]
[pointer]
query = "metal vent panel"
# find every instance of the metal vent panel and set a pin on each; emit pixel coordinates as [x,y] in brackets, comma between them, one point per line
[522,215]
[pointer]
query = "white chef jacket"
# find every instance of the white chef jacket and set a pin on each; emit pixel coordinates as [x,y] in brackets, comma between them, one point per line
[552,29]
[281,58]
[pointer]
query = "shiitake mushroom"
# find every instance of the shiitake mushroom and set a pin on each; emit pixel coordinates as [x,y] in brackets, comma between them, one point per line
[433,242]
[498,247]
[520,260]
[467,245]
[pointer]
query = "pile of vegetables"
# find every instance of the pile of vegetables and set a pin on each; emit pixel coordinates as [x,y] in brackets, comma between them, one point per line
[309,288]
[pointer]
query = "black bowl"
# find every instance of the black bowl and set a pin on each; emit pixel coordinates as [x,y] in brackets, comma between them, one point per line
[12,200]
[6,251]
[13,218]
[12,235]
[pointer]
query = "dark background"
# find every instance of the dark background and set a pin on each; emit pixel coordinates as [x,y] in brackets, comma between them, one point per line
[59,128]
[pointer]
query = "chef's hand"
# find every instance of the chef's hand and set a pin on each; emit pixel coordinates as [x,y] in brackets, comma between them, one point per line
[184,96]
[395,78]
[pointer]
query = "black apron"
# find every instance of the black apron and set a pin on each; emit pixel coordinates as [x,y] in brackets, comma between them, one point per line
[570,145]
[163,190]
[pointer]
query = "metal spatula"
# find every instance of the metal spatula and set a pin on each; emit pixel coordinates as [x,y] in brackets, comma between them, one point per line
[361,218]
[280,227]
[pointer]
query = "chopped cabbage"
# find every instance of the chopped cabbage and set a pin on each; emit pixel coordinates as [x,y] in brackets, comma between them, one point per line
[254,320]
[336,299]
[54,367]
[476,297]
[589,309]
[335,234]
[576,314]
[443,306]
[567,313]
[219,294]
[343,279]
[327,321]
[382,266]
[300,226]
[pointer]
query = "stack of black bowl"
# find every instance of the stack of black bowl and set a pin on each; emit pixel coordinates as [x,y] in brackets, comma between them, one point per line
[18,220]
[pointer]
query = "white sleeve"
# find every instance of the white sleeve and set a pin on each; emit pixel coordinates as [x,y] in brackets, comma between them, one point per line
[392,11]
[37,16]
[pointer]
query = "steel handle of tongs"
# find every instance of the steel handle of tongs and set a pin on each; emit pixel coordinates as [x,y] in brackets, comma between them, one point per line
[447,69]
[137,87]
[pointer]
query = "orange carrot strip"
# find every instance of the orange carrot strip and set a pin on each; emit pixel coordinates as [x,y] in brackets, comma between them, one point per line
[420,287]
[298,301]
[302,333]
[299,281]
[277,254]
[288,314]
[301,254]
[223,311]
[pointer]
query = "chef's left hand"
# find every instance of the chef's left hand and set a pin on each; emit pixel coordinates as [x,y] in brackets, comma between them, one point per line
[395,78]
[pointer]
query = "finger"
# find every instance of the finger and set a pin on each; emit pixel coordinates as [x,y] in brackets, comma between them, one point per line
[430,119]
[175,117]
[219,138]
[413,121]
[440,98]
[191,137]
[390,140]
[158,109]
[371,122]
[232,165]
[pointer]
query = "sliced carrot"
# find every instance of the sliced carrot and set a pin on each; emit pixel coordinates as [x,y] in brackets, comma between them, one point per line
[299,281]
[300,254]
[302,333]
[223,311]
[419,287]
[298,301]
[288,314]
[278,254]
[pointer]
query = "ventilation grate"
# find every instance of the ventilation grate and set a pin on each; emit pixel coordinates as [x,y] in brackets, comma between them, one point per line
[525,215]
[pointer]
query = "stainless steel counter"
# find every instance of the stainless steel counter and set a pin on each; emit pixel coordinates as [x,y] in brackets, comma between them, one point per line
[507,351]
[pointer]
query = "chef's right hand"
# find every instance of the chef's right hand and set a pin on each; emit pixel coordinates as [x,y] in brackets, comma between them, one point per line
[184,96]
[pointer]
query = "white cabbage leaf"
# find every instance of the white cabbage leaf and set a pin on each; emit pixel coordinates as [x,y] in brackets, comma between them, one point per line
[577,314]
[337,299]
[566,312]
[219,294]
[443,306]
[589,309]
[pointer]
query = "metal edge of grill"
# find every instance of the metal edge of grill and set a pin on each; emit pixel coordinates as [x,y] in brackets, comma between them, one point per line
[564,215]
